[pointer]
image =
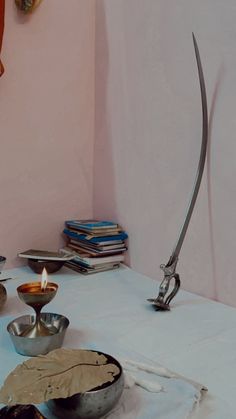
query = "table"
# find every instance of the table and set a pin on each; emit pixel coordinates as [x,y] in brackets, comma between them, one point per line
[197,338]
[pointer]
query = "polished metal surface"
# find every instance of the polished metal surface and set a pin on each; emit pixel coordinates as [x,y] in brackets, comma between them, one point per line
[39,345]
[2,262]
[3,296]
[33,295]
[3,291]
[163,300]
[92,404]
[51,265]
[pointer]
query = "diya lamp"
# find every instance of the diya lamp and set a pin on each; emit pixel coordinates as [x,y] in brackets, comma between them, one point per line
[37,295]
[38,334]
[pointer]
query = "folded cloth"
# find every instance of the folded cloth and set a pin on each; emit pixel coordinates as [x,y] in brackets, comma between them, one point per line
[129,365]
[153,392]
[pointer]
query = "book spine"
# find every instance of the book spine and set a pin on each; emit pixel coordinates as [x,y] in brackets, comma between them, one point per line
[93,225]
[122,236]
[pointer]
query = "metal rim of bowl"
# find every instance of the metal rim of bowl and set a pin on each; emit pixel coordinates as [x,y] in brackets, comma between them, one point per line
[40,345]
[60,316]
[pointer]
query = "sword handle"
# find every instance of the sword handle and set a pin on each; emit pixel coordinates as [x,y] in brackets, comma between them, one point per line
[175,289]
[163,300]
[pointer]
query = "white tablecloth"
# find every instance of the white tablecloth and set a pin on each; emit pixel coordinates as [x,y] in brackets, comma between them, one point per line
[109,312]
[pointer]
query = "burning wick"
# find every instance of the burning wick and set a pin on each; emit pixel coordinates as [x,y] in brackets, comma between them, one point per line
[44,280]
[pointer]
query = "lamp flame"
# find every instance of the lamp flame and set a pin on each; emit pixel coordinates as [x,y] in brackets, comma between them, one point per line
[44,279]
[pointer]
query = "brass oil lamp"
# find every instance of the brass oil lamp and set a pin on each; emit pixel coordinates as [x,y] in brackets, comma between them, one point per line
[37,295]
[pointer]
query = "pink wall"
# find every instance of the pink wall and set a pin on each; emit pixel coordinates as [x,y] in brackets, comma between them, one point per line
[147,130]
[47,123]
[148,133]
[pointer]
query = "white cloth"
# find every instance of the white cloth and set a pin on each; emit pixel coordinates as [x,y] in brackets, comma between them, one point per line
[105,313]
[155,391]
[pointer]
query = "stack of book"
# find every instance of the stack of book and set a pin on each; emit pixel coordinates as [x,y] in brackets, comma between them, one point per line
[97,245]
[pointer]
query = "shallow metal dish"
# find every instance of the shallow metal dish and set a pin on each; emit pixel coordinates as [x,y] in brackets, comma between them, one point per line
[92,404]
[39,345]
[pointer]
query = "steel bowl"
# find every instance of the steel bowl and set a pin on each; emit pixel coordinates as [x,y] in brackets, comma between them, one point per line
[38,345]
[92,404]
[3,296]
[51,266]
[2,262]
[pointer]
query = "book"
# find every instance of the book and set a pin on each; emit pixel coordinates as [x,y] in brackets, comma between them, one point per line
[45,255]
[98,240]
[86,271]
[93,261]
[95,233]
[95,252]
[95,246]
[91,224]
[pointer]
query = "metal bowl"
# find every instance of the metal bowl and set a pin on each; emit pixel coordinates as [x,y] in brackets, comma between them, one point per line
[2,262]
[51,265]
[3,296]
[39,345]
[92,404]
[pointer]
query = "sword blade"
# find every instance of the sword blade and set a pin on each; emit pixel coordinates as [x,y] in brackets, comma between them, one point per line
[200,169]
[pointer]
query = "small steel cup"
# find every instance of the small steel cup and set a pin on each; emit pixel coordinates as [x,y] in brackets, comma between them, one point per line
[40,345]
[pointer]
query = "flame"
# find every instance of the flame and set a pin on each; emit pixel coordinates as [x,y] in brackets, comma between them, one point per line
[44,280]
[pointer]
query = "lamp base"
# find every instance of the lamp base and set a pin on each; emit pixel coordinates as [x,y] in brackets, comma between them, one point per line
[39,329]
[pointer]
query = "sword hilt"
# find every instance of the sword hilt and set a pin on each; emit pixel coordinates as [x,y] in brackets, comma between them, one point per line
[163,299]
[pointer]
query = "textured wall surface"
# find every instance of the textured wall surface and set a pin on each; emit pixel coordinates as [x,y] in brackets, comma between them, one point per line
[47,123]
[148,135]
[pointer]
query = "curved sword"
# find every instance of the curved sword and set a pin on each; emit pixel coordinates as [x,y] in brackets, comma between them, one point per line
[162,301]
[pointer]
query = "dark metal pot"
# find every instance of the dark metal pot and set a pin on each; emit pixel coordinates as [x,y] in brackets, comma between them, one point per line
[92,404]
